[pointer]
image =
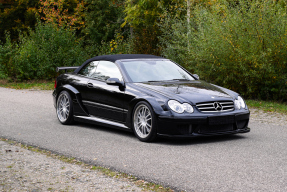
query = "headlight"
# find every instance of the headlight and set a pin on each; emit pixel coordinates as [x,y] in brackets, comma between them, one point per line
[178,107]
[187,107]
[239,103]
[175,106]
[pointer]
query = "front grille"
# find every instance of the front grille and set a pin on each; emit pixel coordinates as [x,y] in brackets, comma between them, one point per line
[215,106]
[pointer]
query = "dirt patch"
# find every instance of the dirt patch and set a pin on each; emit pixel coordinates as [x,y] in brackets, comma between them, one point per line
[260,116]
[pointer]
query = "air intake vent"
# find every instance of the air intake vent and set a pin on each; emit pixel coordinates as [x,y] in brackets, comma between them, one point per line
[215,106]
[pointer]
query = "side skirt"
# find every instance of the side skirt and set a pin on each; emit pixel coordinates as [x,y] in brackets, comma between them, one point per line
[100,121]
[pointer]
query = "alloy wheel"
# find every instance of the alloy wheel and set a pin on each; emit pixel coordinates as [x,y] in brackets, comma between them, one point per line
[142,121]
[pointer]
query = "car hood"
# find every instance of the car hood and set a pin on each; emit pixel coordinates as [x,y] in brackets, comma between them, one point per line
[189,91]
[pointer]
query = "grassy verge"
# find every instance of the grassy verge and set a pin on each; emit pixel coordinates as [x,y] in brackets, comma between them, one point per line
[41,85]
[268,106]
[146,186]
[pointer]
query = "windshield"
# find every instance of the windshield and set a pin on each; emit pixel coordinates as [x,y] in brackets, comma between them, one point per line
[155,70]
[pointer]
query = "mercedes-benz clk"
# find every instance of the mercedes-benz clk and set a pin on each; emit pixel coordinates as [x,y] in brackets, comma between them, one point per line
[149,95]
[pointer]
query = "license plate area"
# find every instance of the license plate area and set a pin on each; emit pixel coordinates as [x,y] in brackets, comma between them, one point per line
[220,120]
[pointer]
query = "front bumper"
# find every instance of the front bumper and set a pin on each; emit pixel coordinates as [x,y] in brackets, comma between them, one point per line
[203,126]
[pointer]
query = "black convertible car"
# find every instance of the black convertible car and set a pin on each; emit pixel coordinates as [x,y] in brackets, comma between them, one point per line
[148,95]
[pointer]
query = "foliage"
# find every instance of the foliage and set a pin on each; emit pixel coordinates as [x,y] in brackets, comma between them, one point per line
[142,13]
[118,45]
[17,16]
[103,19]
[238,46]
[7,51]
[143,16]
[268,106]
[174,42]
[2,75]
[39,85]
[59,13]
[21,15]
[45,49]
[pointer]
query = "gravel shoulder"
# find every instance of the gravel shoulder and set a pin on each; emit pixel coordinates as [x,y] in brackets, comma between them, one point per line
[25,170]
[267,117]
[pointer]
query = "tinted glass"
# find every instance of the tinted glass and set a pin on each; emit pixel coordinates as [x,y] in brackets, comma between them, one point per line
[89,69]
[107,69]
[101,70]
[155,70]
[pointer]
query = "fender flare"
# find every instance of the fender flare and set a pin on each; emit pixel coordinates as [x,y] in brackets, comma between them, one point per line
[72,89]
[157,108]
[78,97]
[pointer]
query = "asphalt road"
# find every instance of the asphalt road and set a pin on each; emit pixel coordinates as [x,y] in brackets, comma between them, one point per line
[256,161]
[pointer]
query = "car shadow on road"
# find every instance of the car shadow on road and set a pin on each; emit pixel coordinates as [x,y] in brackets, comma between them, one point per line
[167,140]
[105,129]
[199,140]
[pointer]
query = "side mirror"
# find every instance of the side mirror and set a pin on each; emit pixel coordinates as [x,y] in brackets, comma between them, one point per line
[114,81]
[196,76]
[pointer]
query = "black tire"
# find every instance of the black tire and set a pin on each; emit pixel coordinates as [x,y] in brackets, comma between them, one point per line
[144,122]
[64,108]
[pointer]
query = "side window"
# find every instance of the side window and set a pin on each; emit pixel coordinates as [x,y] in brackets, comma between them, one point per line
[107,69]
[89,69]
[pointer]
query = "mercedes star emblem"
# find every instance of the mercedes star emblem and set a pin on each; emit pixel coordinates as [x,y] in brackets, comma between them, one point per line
[217,106]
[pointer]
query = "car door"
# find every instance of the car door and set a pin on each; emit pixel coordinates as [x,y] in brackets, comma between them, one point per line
[100,99]
[80,82]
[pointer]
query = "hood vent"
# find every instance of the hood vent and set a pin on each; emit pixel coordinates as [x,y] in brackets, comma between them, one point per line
[215,106]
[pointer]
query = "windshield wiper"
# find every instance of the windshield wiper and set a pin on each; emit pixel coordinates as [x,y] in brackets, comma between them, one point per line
[180,80]
[152,81]
[168,80]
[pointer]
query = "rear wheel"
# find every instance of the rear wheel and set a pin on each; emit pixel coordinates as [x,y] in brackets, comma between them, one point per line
[144,122]
[65,108]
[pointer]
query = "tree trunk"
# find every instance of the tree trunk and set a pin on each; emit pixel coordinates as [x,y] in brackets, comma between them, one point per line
[188,25]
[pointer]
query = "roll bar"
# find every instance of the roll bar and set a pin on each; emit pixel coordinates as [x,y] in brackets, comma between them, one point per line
[66,68]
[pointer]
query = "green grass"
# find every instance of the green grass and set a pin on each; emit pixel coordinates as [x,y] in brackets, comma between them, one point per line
[40,85]
[268,106]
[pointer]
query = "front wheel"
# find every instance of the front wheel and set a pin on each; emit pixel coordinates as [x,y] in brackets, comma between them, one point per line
[65,108]
[144,122]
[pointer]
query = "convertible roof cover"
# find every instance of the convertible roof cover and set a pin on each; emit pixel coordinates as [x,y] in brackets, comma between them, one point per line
[113,58]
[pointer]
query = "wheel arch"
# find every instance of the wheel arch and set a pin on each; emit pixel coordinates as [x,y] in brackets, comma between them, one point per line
[75,94]
[70,89]
[64,108]
[156,107]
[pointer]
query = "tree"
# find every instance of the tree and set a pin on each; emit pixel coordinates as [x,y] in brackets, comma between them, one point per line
[63,13]
[18,15]
[103,19]
[144,16]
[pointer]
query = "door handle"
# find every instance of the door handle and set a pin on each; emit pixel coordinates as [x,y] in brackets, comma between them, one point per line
[90,85]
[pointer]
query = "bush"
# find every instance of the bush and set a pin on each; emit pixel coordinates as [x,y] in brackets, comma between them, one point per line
[239,46]
[118,45]
[7,51]
[174,42]
[45,49]
[37,55]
